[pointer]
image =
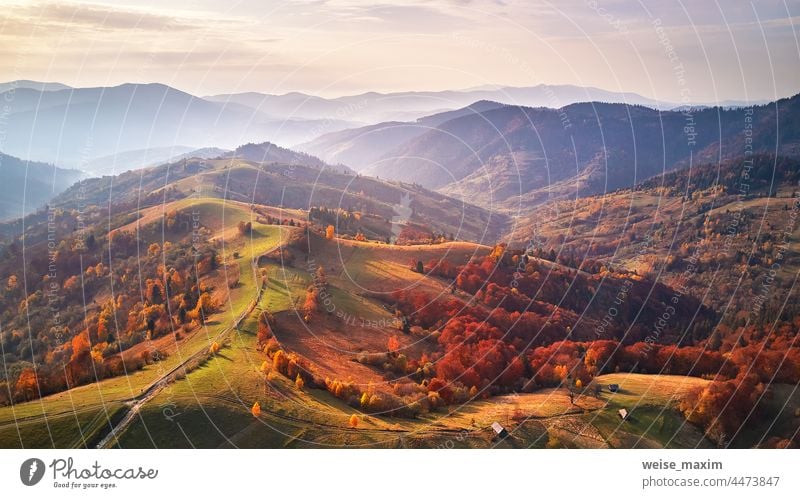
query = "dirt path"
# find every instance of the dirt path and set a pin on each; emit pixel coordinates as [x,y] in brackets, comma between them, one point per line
[135,405]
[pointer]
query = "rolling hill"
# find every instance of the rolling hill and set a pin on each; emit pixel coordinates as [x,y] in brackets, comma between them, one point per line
[298,184]
[218,386]
[270,153]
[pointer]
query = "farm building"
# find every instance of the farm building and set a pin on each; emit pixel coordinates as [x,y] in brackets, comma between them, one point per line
[623,413]
[499,430]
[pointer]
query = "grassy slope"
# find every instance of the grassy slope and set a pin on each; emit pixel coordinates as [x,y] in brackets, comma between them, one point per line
[214,401]
[301,187]
[51,422]
[353,319]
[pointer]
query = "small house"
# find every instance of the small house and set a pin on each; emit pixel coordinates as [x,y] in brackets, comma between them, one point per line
[613,388]
[623,413]
[499,430]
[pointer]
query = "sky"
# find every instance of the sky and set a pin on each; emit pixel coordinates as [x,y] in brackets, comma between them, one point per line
[690,51]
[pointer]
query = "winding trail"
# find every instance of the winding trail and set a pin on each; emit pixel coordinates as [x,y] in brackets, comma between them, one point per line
[135,404]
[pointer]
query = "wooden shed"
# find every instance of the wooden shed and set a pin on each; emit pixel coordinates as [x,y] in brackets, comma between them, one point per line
[499,430]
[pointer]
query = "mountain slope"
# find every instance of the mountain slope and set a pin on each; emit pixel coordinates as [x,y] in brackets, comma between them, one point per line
[726,222]
[512,155]
[360,147]
[28,185]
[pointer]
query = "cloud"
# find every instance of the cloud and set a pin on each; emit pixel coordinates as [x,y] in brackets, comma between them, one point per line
[388,16]
[93,17]
[394,44]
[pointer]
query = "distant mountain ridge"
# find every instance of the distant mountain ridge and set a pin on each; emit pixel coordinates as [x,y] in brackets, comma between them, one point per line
[374,107]
[515,155]
[29,185]
[35,85]
[71,127]
[142,158]
[101,129]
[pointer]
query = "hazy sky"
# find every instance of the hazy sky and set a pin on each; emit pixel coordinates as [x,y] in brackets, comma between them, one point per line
[690,50]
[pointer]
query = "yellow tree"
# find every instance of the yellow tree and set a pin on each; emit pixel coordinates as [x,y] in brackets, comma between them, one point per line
[280,361]
[497,252]
[256,410]
[353,421]
[310,306]
[206,304]
[214,347]
[299,383]
[104,320]
[11,283]
[264,329]
[329,232]
[561,371]
[27,384]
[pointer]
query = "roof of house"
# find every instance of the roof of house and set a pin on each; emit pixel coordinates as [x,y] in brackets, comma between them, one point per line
[497,427]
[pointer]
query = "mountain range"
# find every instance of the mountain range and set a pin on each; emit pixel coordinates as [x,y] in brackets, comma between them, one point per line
[494,153]
[73,127]
[85,128]
[374,107]
[507,155]
[165,278]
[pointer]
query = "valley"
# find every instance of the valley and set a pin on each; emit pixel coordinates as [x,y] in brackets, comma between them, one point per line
[265,297]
